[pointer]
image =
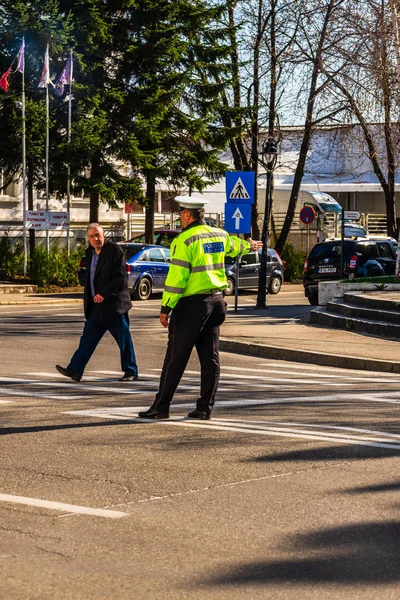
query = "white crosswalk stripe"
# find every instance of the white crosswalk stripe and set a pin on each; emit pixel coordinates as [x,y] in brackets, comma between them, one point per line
[305,431]
[233,381]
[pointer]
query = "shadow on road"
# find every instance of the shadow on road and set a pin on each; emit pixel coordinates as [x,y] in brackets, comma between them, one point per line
[342,452]
[361,553]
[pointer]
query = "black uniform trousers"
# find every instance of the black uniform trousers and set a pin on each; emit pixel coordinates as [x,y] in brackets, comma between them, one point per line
[195,321]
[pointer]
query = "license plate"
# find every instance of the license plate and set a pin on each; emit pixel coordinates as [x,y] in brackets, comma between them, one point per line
[327,270]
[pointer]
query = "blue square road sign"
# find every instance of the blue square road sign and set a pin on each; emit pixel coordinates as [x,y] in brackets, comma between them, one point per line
[237,217]
[239,186]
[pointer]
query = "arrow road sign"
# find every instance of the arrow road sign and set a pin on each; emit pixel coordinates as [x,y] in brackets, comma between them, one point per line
[239,186]
[238,217]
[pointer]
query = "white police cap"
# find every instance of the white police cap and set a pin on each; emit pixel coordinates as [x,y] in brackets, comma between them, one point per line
[190,201]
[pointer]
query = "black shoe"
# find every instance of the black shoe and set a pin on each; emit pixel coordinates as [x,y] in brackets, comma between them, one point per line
[68,373]
[129,378]
[152,413]
[202,415]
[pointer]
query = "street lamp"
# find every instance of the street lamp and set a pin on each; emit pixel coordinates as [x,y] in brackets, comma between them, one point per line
[270,155]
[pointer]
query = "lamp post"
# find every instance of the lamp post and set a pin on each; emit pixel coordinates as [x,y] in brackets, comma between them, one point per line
[270,155]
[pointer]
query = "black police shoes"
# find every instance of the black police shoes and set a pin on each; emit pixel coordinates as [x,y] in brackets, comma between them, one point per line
[152,413]
[129,378]
[68,373]
[200,414]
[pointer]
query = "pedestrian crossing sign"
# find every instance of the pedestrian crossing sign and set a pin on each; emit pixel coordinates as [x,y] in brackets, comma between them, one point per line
[239,186]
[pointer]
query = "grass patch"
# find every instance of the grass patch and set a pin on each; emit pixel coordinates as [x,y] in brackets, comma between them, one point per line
[382,279]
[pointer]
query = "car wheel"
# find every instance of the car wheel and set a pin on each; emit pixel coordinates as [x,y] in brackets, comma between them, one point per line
[228,291]
[143,290]
[313,298]
[275,285]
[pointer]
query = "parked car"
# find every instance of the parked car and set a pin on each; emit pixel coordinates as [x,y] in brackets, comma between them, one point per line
[146,266]
[162,237]
[365,257]
[249,269]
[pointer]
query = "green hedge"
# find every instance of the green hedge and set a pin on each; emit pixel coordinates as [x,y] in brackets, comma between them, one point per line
[44,268]
[294,263]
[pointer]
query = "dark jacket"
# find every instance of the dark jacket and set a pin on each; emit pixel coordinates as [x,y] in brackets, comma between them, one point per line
[110,281]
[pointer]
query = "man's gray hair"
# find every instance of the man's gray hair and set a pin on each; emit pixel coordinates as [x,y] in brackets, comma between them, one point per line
[197,213]
[91,225]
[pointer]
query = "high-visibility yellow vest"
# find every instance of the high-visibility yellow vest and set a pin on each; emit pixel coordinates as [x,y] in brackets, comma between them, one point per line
[198,262]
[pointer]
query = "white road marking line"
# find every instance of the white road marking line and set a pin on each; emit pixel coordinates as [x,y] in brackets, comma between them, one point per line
[70,508]
[238,426]
[279,379]
[285,370]
[8,392]
[5,401]
[322,368]
[182,386]
[92,388]
[317,425]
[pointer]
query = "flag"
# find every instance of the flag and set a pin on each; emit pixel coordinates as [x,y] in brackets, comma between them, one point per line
[65,77]
[21,57]
[4,83]
[45,77]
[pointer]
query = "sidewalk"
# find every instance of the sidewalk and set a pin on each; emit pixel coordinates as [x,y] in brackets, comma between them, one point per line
[280,332]
[266,333]
[13,299]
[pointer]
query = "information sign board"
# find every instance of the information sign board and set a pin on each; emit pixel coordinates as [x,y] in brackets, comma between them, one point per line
[352,215]
[58,220]
[36,219]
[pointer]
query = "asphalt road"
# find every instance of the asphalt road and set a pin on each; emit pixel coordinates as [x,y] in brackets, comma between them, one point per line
[291,491]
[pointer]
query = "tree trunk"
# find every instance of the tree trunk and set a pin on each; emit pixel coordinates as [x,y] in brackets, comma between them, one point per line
[94,195]
[149,218]
[254,122]
[298,176]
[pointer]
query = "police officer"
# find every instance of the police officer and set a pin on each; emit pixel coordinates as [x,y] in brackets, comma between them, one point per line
[193,298]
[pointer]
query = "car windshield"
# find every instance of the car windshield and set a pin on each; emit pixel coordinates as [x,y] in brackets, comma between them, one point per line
[131,250]
[330,249]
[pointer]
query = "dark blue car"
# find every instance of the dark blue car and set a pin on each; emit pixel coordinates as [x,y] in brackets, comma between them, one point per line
[147,268]
[249,271]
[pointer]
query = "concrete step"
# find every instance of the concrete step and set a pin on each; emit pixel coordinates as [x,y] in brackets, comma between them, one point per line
[343,307]
[369,326]
[16,288]
[371,301]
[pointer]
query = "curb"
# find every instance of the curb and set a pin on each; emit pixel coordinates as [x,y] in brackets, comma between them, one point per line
[306,356]
[40,301]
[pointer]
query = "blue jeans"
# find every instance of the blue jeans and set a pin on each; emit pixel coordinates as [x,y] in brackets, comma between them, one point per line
[93,331]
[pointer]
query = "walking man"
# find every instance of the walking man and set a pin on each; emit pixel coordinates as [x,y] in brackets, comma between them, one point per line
[106,304]
[193,296]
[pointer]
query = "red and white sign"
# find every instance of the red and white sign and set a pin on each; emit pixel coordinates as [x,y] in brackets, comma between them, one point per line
[36,219]
[58,220]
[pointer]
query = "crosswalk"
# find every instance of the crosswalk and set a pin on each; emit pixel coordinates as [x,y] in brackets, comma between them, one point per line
[244,398]
[293,382]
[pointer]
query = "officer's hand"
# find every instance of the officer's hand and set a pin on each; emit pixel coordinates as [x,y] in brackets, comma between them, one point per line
[254,244]
[98,299]
[164,320]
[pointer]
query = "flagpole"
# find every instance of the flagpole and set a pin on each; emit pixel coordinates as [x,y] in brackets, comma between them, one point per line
[47,155]
[69,166]
[24,168]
